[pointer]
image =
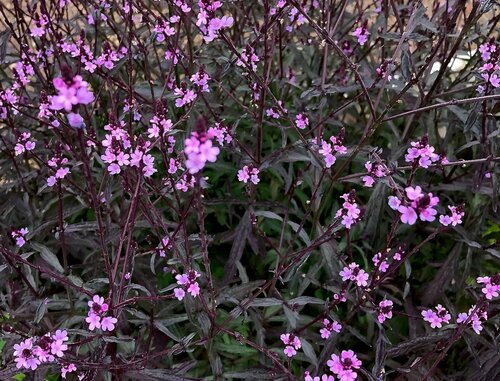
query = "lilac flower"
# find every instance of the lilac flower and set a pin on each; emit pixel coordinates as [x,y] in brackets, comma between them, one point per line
[491,286]
[24,144]
[324,377]
[343,366]
[94,321]
[421,153]
[292,344]
[70,368]
[199,149]
[188,283]
[108,323]
[71,94]
[361,33]
[349,212]
[475,318]
[354,274]
[24,356]
[19,235]
[384,310]
[301,121]
[438,317]
[419,205]
[249,173]
[329,327]
[457,213]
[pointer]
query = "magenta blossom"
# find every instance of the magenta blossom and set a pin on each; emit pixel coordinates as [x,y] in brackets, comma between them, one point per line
[438,317]
[343,366]
[292,344]
[71,93]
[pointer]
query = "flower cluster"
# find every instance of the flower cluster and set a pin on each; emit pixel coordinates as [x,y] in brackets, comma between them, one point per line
[329,327]
[249,173]
[85,54]
[384,310]
[274,112]
[417,204]
[208,23]
[361,33]
[71,92]
[355,274]
[185,96]
[119,152]
[323,377]
[24,144]
[457,213]
[438,317]
[70,368]
[97,315]
[292,344]
[374,170]
[199,149]
[188,283]
[19,235]
[349,212]
[163,28]
[491,286]
[56,163]
[165,245]
[343,366]
[301,121]
[200,79]
[475,318]
[380,260]
[248,58]
[328,150]
[220,133]
[34,351]
[422,154]
[8,102]
[159,125]
[490,54]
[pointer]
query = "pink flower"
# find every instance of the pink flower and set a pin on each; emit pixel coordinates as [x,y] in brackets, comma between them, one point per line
[355,274]
[292,343]
[94,321]
[194,289]
[67,369]
[329,327]
[361,33]
[108,323]
[343,366]
[301,121]
[75,120]
[57,348]
[97,304]
[394,202]
[385,310]
[179,293]
[436,318]
[71,94]
[408,215]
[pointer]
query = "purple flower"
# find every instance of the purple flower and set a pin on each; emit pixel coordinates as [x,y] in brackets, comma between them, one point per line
[75,120]
[108,323]
[71,94]
[436,318]
[292,343]
[94,321]
[385,310]
[343,366]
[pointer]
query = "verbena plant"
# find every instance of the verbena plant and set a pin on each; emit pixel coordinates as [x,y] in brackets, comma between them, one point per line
[224,190]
